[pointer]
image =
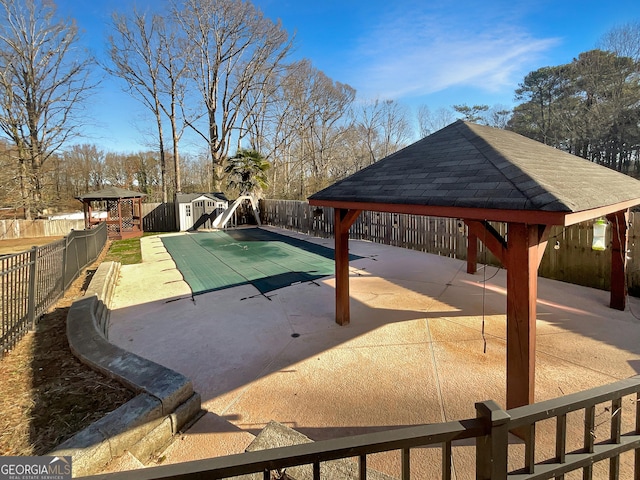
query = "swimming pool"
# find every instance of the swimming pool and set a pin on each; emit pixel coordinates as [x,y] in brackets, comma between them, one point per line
[211,261]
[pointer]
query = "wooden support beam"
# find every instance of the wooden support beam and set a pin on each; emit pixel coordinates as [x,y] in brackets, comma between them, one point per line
[343,219]
[542,240]
[472,253]
[618,222]
[489,236]
[86,206]
[522,260]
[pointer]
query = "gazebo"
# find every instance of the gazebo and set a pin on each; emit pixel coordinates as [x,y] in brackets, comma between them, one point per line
[481,174]
[124,211]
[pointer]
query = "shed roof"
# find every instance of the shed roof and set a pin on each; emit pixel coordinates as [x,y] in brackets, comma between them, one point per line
[190,197]
[470,166]
[110,193]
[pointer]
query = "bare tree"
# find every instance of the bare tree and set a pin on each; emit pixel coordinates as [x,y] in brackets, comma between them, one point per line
[269,129]
[9,182]
[385,127]
[144,52]
[84,168]
[174,63]
[117,171]
[368,120]
[44,77]
[498,116]
[395,126]
[623,40]
[236,49]
[429,122]
[317,117]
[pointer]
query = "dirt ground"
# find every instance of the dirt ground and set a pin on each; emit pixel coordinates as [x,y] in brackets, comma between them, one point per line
[46,394]
[17,245]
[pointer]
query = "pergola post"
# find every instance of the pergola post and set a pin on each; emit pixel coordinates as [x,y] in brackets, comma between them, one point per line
[86,209]
[119,218]
[525,248]
[618,259]
[521,255]
[343,219]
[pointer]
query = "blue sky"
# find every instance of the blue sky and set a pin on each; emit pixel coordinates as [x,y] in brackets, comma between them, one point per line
[435,53]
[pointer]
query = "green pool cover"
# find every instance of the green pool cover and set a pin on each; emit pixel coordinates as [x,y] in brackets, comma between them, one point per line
[212,261]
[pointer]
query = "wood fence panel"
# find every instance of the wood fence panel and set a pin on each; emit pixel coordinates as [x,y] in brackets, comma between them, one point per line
[16,228]
[159,217]
[573,260]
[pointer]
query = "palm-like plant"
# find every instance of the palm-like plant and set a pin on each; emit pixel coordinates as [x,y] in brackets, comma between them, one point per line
[247,171]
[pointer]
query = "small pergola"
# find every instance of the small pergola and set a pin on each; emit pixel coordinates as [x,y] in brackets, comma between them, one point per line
[481,174]
[124,211]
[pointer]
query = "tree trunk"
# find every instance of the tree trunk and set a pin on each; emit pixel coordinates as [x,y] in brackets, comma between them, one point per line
[24,190]
[163,160]
[176,155]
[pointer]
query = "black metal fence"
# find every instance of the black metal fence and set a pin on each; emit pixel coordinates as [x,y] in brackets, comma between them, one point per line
[31,281]
[595,433]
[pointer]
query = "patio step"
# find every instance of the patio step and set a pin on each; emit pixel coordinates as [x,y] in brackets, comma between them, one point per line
[123,463]
[275,435]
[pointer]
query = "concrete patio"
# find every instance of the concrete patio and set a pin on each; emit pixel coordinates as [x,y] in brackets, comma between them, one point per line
[414,352]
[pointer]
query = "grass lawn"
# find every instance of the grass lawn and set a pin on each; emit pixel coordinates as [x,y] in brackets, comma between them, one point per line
[127,252]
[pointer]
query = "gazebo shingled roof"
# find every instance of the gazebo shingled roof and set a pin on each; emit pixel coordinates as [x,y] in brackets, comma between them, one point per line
[110,193]
[470,166]
[482,174]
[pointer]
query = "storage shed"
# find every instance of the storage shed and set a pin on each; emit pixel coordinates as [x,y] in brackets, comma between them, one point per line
[195,210]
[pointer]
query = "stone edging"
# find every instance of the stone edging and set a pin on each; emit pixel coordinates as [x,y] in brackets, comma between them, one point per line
[165,402]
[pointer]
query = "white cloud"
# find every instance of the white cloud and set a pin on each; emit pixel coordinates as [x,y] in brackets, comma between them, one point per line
[415,55]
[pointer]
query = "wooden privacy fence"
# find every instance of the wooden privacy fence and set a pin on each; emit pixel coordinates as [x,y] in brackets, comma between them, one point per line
[568,256]
[16,228]
[31,281]
[156,217]
[159,217]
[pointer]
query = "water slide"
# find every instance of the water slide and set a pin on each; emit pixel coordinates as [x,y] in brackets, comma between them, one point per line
[222,219]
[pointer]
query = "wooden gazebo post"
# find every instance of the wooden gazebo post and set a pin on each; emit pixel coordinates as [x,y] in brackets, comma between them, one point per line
[619,222]
[521,255]
[343,219]
[525,248]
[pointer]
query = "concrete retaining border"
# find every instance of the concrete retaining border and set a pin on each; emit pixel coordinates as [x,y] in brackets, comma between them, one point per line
[165,402]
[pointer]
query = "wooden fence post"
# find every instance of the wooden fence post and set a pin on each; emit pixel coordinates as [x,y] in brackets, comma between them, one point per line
[491,450]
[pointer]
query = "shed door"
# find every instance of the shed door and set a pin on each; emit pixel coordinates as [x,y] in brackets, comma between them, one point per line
[198,210]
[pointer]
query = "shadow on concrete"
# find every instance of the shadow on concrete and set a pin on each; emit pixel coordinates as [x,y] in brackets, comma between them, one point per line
[426,341]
